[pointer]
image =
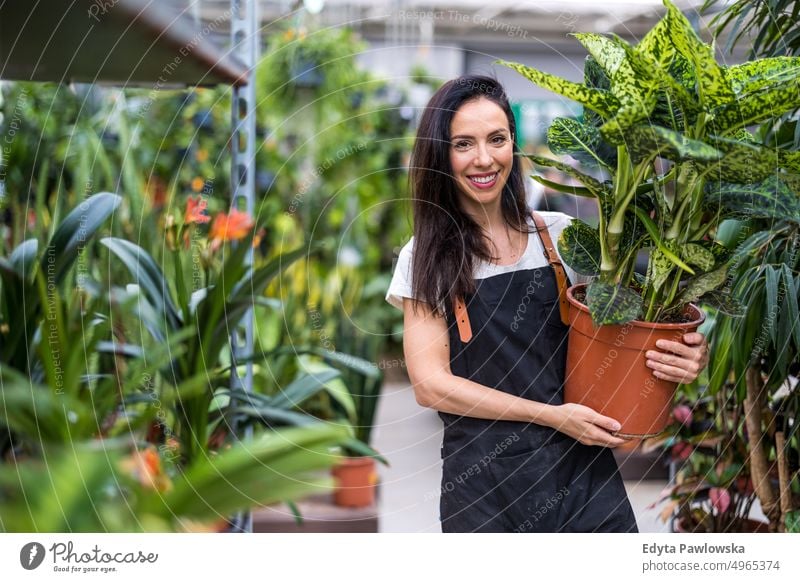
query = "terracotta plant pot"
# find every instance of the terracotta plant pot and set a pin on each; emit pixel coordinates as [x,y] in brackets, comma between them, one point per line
[355,482]
[607,370]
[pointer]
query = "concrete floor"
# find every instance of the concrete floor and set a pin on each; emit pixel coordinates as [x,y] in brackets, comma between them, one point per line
[410,437]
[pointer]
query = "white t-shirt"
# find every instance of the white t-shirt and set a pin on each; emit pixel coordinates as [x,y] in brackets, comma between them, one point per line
[532,258]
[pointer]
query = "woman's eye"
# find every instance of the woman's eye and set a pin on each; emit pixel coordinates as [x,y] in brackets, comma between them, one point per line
[499,140]
[461,145]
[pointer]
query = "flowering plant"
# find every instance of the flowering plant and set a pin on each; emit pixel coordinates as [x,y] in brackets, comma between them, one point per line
[712,490]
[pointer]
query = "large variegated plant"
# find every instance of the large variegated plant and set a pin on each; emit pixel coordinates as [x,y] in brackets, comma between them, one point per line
[665,126]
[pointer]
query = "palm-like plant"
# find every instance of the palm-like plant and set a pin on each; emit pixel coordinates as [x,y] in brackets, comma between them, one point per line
[666,124]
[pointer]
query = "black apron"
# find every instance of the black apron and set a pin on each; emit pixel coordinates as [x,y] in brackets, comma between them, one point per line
[507,476]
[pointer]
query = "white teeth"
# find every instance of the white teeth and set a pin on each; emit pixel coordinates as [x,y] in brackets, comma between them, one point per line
[484,179]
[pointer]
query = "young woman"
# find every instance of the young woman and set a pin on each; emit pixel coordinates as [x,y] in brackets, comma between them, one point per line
[515,457]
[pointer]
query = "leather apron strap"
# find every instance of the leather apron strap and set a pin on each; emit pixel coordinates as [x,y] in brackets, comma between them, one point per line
[462,317]
[555,262]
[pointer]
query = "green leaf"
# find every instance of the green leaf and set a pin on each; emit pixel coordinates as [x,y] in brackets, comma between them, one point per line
[603,102]
[698,286]
[667,249]
[607,53]
[579,246]
[563,188]
[659,267]
[789,160]
[647,141]
[568,136]
[741,162]
[767,103]
[771,199]
[593,184]
[73,232]
[724,303]
[657,70]
[755,75]
[699,256]
[773,308]
[303,388]
[361,449]
[148,276]
[272,468]
[612,304]
[712,85]
[793,521]
[635,92]
[24,257]
[790,301]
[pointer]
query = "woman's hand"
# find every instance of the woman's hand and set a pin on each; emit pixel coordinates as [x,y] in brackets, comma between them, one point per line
[679,362]
[585,425]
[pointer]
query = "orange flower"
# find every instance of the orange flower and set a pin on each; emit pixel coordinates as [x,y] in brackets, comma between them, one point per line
[198,183]
[145,466]
[194,211]
[201,155]
[233,226]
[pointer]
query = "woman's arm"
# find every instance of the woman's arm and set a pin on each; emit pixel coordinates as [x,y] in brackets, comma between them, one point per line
[427,352]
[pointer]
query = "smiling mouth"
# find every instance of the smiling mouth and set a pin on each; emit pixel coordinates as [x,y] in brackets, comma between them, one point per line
[485,180]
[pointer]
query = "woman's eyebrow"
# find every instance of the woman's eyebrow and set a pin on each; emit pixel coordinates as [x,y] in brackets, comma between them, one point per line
[499,130]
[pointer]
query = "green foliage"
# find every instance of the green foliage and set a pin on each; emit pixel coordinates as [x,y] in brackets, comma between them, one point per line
[684,161]
[125,489]
[579,244]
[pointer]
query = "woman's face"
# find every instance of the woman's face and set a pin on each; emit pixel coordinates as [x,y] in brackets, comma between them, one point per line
[481,151]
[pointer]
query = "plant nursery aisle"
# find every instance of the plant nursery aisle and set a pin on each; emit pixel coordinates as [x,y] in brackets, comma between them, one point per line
[410,437]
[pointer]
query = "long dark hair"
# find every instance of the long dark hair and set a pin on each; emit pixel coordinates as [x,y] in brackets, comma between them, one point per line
[447,242]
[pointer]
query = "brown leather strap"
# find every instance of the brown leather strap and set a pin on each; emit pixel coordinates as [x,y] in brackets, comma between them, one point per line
[462,317]
[552,257]
[462,320]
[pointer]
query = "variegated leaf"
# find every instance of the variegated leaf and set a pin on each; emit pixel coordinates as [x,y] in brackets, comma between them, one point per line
[719,251]
[644,141]
[635,92]
[593,184]
[602,102]
[579,246]
[657,43]
[648,67]
[659,266]
[766,103]
[754,75]
[568,136]
[606,53]
[741,162]
[789,160]
[612,304]
[698,286]
[712,85]
[771,198]
[698,256]
[724,303]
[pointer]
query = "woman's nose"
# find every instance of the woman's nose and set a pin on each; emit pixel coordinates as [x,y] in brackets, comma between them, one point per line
[483,158]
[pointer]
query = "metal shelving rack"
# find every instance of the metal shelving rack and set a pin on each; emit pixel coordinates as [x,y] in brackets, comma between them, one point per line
[145,42]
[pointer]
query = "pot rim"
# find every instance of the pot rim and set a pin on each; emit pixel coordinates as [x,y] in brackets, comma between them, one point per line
[701,316]
[355,461]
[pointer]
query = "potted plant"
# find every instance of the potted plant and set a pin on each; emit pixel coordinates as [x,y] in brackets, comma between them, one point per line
[356,473]
[664,125]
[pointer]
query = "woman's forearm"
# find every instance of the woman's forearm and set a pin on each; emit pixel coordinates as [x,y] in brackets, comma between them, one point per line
[447,392]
